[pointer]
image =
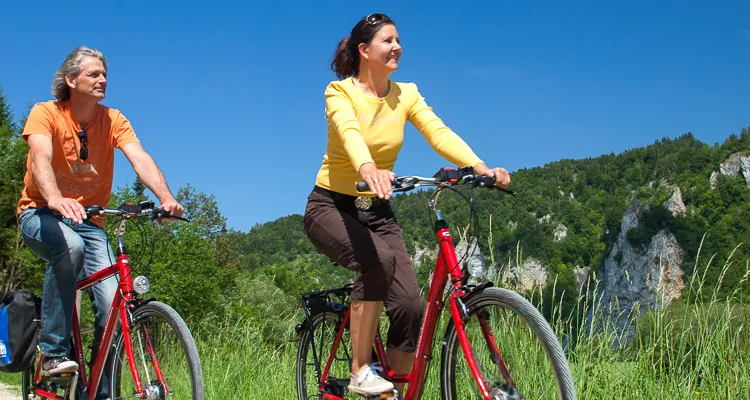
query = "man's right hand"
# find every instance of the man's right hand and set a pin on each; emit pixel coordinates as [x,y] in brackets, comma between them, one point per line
[69,208]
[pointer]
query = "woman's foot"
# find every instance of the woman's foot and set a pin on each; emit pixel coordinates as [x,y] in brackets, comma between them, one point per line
[367,383]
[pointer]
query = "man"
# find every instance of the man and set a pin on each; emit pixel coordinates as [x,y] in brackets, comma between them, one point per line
[69,166]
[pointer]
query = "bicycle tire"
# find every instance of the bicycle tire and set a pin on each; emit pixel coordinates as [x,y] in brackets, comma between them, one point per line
[27,377]
[329,320]
[529,316]
[143,321]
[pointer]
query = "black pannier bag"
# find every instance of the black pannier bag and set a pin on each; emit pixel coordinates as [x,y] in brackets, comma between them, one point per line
[19,316]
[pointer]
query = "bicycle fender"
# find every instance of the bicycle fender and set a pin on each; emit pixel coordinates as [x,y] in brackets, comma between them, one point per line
[334,308]
[476,289]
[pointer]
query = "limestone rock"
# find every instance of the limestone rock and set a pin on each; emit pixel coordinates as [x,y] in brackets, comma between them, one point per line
[561,232]
[582,275]
[530,274]
[634,281]
[738,164]
[675,204]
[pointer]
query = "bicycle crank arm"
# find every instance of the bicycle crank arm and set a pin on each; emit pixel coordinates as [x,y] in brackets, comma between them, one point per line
[392,395]
[71,392]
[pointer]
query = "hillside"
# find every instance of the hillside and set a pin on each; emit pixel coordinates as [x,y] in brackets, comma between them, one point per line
[567,214]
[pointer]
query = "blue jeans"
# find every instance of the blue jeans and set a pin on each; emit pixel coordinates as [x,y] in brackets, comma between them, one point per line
[72,251]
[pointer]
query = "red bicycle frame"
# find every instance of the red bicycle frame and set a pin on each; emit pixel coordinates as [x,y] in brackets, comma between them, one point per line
[119,312]
[447,265]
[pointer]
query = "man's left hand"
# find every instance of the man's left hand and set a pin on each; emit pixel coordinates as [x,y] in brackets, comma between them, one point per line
[174,208]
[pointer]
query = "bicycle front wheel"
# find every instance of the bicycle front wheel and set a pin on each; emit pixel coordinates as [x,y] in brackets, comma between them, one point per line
[164,355]
[516,352]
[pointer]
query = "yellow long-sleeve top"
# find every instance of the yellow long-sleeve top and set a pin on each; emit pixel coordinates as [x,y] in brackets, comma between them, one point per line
[364,128]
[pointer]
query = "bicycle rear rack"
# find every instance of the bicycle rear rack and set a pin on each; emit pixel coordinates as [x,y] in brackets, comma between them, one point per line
[319,301]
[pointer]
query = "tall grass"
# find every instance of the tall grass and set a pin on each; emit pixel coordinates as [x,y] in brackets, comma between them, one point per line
[693,349]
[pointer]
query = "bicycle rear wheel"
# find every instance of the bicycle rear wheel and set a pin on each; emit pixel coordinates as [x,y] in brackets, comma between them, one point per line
[526,360]
[313,353]
[164,353]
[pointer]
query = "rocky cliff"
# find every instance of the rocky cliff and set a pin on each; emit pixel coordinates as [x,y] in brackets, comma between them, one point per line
[636,280]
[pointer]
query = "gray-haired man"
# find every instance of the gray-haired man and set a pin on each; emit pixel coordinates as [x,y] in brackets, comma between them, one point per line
[70,165]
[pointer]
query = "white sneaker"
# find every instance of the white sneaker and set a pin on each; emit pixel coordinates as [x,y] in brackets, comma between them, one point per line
[368,383]
[58,365]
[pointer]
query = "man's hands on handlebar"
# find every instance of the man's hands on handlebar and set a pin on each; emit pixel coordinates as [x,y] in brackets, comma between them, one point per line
[68,208]
[145,209]
[175,209]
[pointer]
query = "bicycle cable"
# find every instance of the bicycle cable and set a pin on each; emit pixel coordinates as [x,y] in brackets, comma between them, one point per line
[473,217]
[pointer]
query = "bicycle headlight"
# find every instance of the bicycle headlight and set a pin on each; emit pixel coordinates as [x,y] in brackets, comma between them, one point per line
[141,284]
[476,266]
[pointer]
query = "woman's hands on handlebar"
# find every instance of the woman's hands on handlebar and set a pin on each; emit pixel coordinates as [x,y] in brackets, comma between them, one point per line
[501,175]
[380,181]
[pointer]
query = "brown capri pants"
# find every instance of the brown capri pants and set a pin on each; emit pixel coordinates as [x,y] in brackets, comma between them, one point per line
[369,242]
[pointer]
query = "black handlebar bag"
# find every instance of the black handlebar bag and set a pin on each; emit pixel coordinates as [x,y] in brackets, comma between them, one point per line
[19,315]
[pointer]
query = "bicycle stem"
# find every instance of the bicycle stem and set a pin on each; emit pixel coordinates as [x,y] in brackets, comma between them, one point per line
[120,233]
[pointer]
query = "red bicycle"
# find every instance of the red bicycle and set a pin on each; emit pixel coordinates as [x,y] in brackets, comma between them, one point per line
[483,321]
[153,355]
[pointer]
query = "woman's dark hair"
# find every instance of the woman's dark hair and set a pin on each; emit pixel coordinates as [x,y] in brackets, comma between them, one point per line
[346,60]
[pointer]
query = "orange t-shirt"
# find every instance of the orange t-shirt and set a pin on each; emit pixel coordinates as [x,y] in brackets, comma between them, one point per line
[90,181]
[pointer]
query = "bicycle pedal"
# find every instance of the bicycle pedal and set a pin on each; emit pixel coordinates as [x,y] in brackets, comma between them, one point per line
[62,378]
[66,381]
[392,395]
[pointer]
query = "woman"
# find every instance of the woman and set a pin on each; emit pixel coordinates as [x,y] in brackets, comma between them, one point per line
[366,113]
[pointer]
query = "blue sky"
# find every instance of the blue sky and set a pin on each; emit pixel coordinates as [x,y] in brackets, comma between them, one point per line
[229,95]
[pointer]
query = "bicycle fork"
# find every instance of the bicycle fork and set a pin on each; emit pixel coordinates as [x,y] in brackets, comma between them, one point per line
[459,313]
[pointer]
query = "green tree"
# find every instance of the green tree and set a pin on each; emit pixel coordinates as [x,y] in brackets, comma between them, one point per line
[18,266]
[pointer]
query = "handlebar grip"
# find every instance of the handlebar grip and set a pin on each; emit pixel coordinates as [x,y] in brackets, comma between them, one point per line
[162,213]
[362,186]
[91,211]
[484,180]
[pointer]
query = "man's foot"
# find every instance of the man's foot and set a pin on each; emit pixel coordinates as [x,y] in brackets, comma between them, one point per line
[368,383]
[58,365]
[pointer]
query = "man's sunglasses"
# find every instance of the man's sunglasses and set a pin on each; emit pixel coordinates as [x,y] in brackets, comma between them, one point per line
[376,18]
[83,136]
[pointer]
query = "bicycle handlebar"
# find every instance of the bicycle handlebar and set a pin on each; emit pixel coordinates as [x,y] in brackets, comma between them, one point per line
[444,177]
[145,209]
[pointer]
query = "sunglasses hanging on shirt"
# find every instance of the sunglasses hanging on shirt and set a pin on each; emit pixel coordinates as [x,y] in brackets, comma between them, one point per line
[83,138]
